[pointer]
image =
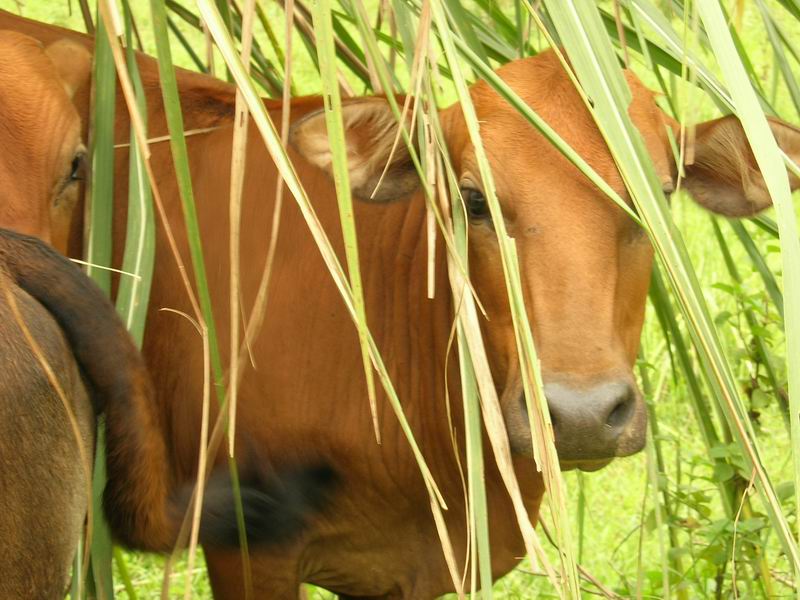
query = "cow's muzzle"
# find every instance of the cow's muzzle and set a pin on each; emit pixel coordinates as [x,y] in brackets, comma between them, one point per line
[592,425]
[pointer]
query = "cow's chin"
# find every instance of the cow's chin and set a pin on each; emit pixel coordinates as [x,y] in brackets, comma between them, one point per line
[585,465]
[519,436]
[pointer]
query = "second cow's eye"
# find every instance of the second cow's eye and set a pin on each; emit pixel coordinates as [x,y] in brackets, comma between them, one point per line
[475,201]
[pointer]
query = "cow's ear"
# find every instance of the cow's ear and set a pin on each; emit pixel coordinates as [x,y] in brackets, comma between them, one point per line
[724,176]
[370,131]
[73,63]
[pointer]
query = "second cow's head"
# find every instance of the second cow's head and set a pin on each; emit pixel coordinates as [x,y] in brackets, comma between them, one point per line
[585,264]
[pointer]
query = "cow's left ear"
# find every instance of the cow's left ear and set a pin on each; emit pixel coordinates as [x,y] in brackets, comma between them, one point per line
[73,63]
[724,176]
[370,130]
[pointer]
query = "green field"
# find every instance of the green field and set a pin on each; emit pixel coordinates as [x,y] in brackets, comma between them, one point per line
[613,512]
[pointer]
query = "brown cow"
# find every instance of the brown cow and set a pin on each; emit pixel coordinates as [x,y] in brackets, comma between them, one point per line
[46,464]
[53,317]
[585,270]
[43,155]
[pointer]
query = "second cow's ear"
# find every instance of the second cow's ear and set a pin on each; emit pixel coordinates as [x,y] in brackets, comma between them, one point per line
[724,177]
[370,130]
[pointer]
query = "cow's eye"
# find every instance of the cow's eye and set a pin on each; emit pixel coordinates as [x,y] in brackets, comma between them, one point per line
[76,168]
[475,201]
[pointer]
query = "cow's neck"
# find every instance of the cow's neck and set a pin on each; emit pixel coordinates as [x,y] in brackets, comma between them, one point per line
[412,330]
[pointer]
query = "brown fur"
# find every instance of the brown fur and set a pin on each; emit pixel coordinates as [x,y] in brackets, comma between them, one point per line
[43,475]
[38,156]
[585,269]
[121,388]
[40,132]
[45,468]
[724,167]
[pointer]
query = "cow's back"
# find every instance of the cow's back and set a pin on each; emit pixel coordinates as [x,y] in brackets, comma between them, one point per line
[44,482]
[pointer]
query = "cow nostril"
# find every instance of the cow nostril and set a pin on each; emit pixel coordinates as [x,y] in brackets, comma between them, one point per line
[621,412]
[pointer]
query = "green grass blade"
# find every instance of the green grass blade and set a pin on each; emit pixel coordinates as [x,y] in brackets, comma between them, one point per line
[543,449]
[752,321]
[180,153]
[659,296]
[139,255]
[272,140]
[780,59]
[180,156]
[98,252]
[458,15]
[184,42]
[482,556]
[323,25]
[124,574]
[770,162]
[583,34]
[760,265]
[98,242]
[133,294]
[659,484]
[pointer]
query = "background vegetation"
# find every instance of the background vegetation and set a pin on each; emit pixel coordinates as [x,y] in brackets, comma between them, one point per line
[686,518]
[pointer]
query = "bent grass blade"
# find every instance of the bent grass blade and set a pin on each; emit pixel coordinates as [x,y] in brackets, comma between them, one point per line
[585,39]
[272,141]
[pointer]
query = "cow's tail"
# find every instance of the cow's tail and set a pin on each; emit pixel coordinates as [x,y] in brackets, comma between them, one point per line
[143,506]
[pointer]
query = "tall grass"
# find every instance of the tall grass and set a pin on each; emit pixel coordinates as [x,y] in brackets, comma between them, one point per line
[710,510]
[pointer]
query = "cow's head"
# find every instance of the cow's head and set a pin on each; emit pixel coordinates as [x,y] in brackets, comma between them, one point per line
[42,158]
[585,264]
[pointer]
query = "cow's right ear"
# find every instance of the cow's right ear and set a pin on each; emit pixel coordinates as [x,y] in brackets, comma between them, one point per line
[370,130]
[724,176]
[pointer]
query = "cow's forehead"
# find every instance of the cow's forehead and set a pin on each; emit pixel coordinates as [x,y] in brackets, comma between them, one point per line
[544,85]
